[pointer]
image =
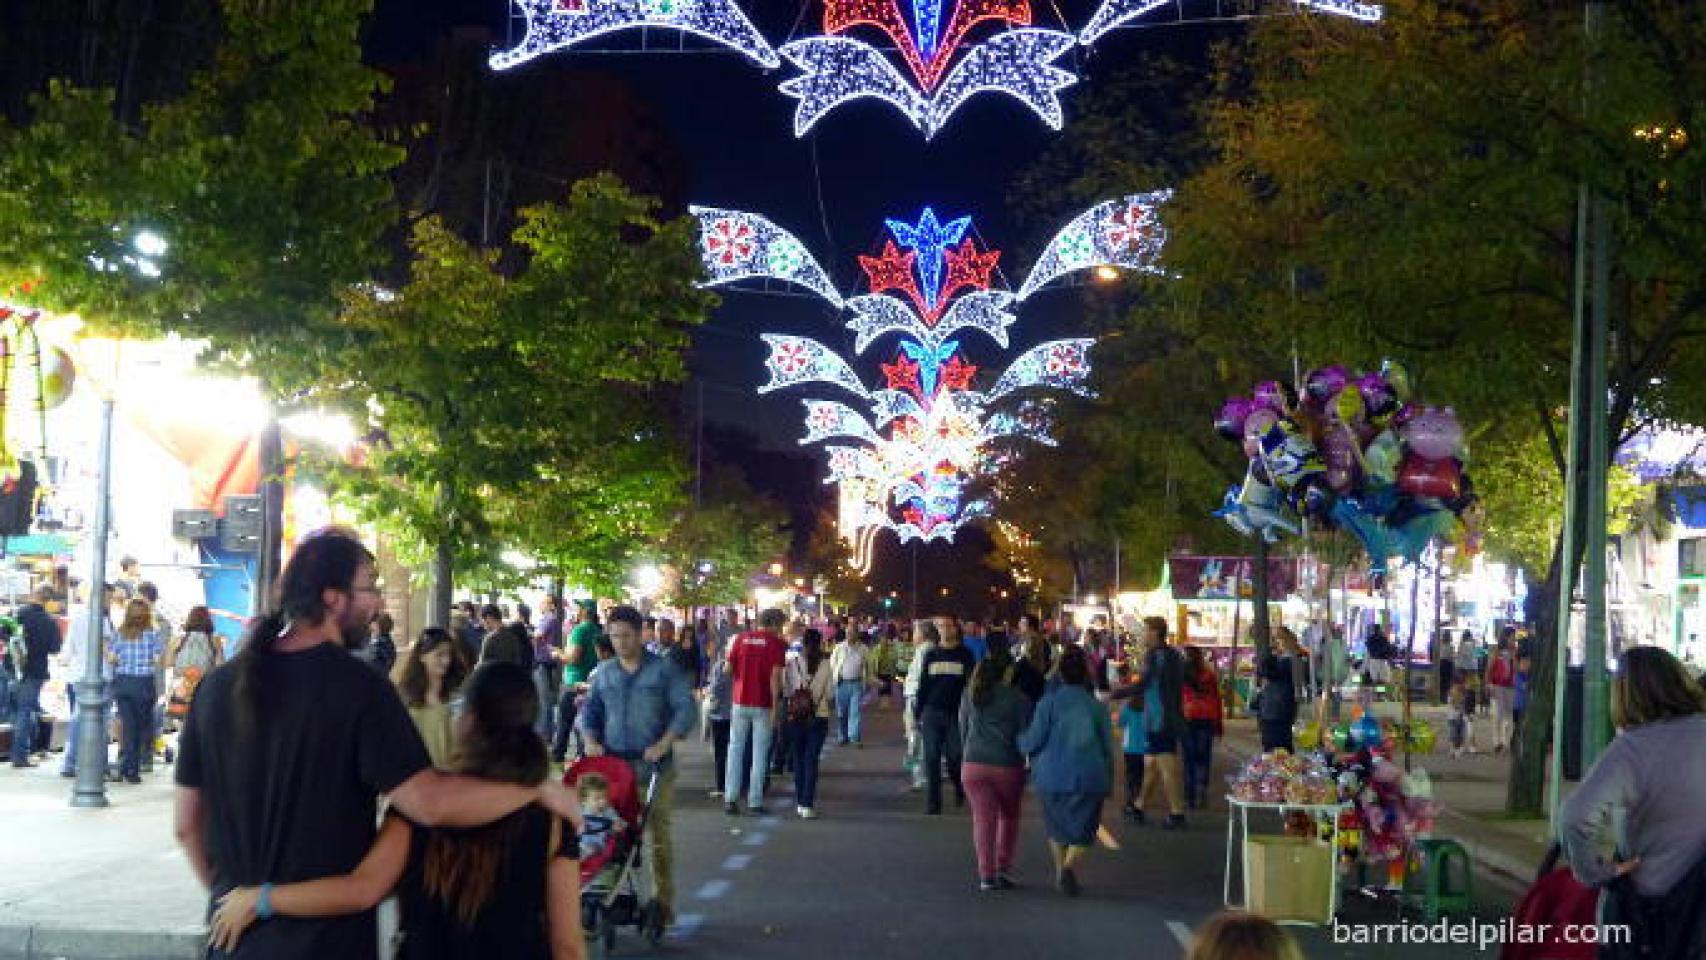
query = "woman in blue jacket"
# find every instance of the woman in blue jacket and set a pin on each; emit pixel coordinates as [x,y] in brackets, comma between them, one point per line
[1070,745]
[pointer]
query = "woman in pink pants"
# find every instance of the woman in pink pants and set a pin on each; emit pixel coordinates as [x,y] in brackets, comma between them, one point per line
[992,715]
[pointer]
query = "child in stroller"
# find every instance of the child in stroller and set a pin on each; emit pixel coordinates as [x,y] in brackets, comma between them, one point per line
[617,889]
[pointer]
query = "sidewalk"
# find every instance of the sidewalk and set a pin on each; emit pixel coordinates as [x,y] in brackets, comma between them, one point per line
[1471,792]
[72,875]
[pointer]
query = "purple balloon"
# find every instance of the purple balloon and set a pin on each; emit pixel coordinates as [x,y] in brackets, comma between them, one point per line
[1433,433]
[1377,395]
[1233,413]
[1322,383]
[1259,422]
[1273,395]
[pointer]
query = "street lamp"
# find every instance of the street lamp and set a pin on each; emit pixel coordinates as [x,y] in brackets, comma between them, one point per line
[90,789]
[1107,274]
[775,569]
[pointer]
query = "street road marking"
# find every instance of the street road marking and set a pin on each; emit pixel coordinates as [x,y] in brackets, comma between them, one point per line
[770,822]
[755,839]
[713,890]
[686,925]
[1181,933]
[737,861]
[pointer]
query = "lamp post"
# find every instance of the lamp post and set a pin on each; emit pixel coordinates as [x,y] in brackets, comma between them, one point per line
[90,789]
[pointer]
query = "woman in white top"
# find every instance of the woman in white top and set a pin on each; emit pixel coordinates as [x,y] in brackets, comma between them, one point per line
[810,685]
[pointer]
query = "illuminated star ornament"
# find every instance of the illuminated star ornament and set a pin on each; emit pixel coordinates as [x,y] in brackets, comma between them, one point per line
[929,436]
[554,25]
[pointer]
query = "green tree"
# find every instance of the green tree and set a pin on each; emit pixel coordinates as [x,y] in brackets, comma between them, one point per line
[712,551]
[1410,191]
[518,407]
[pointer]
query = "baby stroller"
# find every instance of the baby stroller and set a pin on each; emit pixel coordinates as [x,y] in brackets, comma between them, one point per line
[617,888]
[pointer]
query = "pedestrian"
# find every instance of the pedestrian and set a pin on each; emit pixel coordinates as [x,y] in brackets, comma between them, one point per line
[971,635]
[1447,664]
[1500,684]
[782,740]
[755,659]
[680,651]
[75,656]
[637,707]
[1457,714]
[925,637]
[1277,698]
[1161,685]
[1236,935]
[580,657]
[854,669]
[886,655]
[504,642]
[189,658]
[942,681]
[812,692]
[37,639]
[1643,797]
[993,713]
[719,706]
[548,665]
[1035,659]
[1204,723]
[135,656]
[381,650]
[511,889]
[157,709]
[429,679]
[1071,749]
[465,626]
[1134,744]
[289,746]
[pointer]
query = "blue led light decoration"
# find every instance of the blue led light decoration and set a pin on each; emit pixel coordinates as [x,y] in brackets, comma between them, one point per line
[929,433]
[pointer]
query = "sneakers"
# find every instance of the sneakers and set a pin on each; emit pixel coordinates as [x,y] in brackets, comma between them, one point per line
[1004,882]
[1174,821]
[987,884]
[714,794]
[807,813]
[730,809]
[1135,815]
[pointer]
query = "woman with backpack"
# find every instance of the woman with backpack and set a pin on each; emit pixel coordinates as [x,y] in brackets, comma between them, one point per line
[993,713]
[193,656]
[509,889]
[810,704]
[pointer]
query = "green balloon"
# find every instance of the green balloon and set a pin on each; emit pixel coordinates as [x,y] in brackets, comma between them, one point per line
[1341,736]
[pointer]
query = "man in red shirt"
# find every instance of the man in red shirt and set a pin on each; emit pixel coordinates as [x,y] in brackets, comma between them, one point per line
[755,661]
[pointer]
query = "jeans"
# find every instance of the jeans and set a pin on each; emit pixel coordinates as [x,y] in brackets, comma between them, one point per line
[941,730]
[1133,779]
[996,795]
[849,705]
[720,751]
[1199,757]
[1276,735]
[808,749]
[26,714]
[135,697]
[913,760]
[565,723]
[545,681]
[749,728]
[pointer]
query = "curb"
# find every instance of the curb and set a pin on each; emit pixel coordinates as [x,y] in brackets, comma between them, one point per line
[37,942]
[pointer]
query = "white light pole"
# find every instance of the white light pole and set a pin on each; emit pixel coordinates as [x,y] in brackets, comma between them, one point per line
[90,789]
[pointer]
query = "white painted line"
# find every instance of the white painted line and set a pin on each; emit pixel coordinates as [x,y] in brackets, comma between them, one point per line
[770,821]
[737,861]
[686,925]
[755,839]
[713,890]
[1181,933]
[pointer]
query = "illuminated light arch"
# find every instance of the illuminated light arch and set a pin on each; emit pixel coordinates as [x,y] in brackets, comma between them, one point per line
[1125,233]
[735,245]
[554,25]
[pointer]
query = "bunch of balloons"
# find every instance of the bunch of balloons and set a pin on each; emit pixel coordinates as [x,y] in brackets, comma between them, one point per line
[1353,452]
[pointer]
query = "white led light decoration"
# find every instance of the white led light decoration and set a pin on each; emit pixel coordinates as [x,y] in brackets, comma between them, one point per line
[831,418]
[1059,364]
[1016,62]
[889,405]
[851,463]
[1366,12]
[795,360]
[736,245]
[1120,233]
[554,25]
[1004,425]
[1117,13]
[876,314]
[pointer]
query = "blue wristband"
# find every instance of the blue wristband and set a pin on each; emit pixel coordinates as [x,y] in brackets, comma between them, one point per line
[263,903]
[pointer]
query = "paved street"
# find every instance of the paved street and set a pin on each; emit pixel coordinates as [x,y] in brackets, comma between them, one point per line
[874,877]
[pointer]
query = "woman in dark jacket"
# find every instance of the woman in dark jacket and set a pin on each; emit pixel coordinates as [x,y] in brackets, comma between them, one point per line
[1070,745]
[992,715]
[1278,708]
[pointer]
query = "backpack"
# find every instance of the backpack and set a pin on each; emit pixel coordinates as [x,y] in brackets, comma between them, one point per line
[802,705]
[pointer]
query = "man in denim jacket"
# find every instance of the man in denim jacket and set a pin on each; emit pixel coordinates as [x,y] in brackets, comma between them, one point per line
[637,706]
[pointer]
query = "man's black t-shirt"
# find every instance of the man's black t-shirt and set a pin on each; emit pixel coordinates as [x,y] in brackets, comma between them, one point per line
[946,671]
[295,799]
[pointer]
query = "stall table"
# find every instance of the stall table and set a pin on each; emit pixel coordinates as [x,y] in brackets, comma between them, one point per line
[1238,820]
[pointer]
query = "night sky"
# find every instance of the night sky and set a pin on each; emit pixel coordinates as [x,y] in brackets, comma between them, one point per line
[860,164]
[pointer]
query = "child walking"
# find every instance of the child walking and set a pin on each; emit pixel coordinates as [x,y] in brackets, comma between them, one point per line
[1134,743]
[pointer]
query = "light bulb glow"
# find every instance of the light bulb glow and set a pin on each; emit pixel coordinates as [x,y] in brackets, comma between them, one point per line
[1120,233]
[554,25]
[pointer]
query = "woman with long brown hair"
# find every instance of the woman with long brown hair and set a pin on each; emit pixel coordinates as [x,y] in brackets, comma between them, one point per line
[509,889]
[1643,797]
[810,703]
[1070,744]
[136,654]
[428,678]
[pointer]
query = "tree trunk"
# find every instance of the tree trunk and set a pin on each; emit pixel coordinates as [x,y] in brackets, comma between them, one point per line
[443,569]
[1531,747]
[1259,616]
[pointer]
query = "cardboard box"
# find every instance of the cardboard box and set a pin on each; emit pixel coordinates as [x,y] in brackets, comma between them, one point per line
[1290,878]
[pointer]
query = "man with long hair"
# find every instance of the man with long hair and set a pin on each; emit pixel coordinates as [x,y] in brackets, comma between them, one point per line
[288,747]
